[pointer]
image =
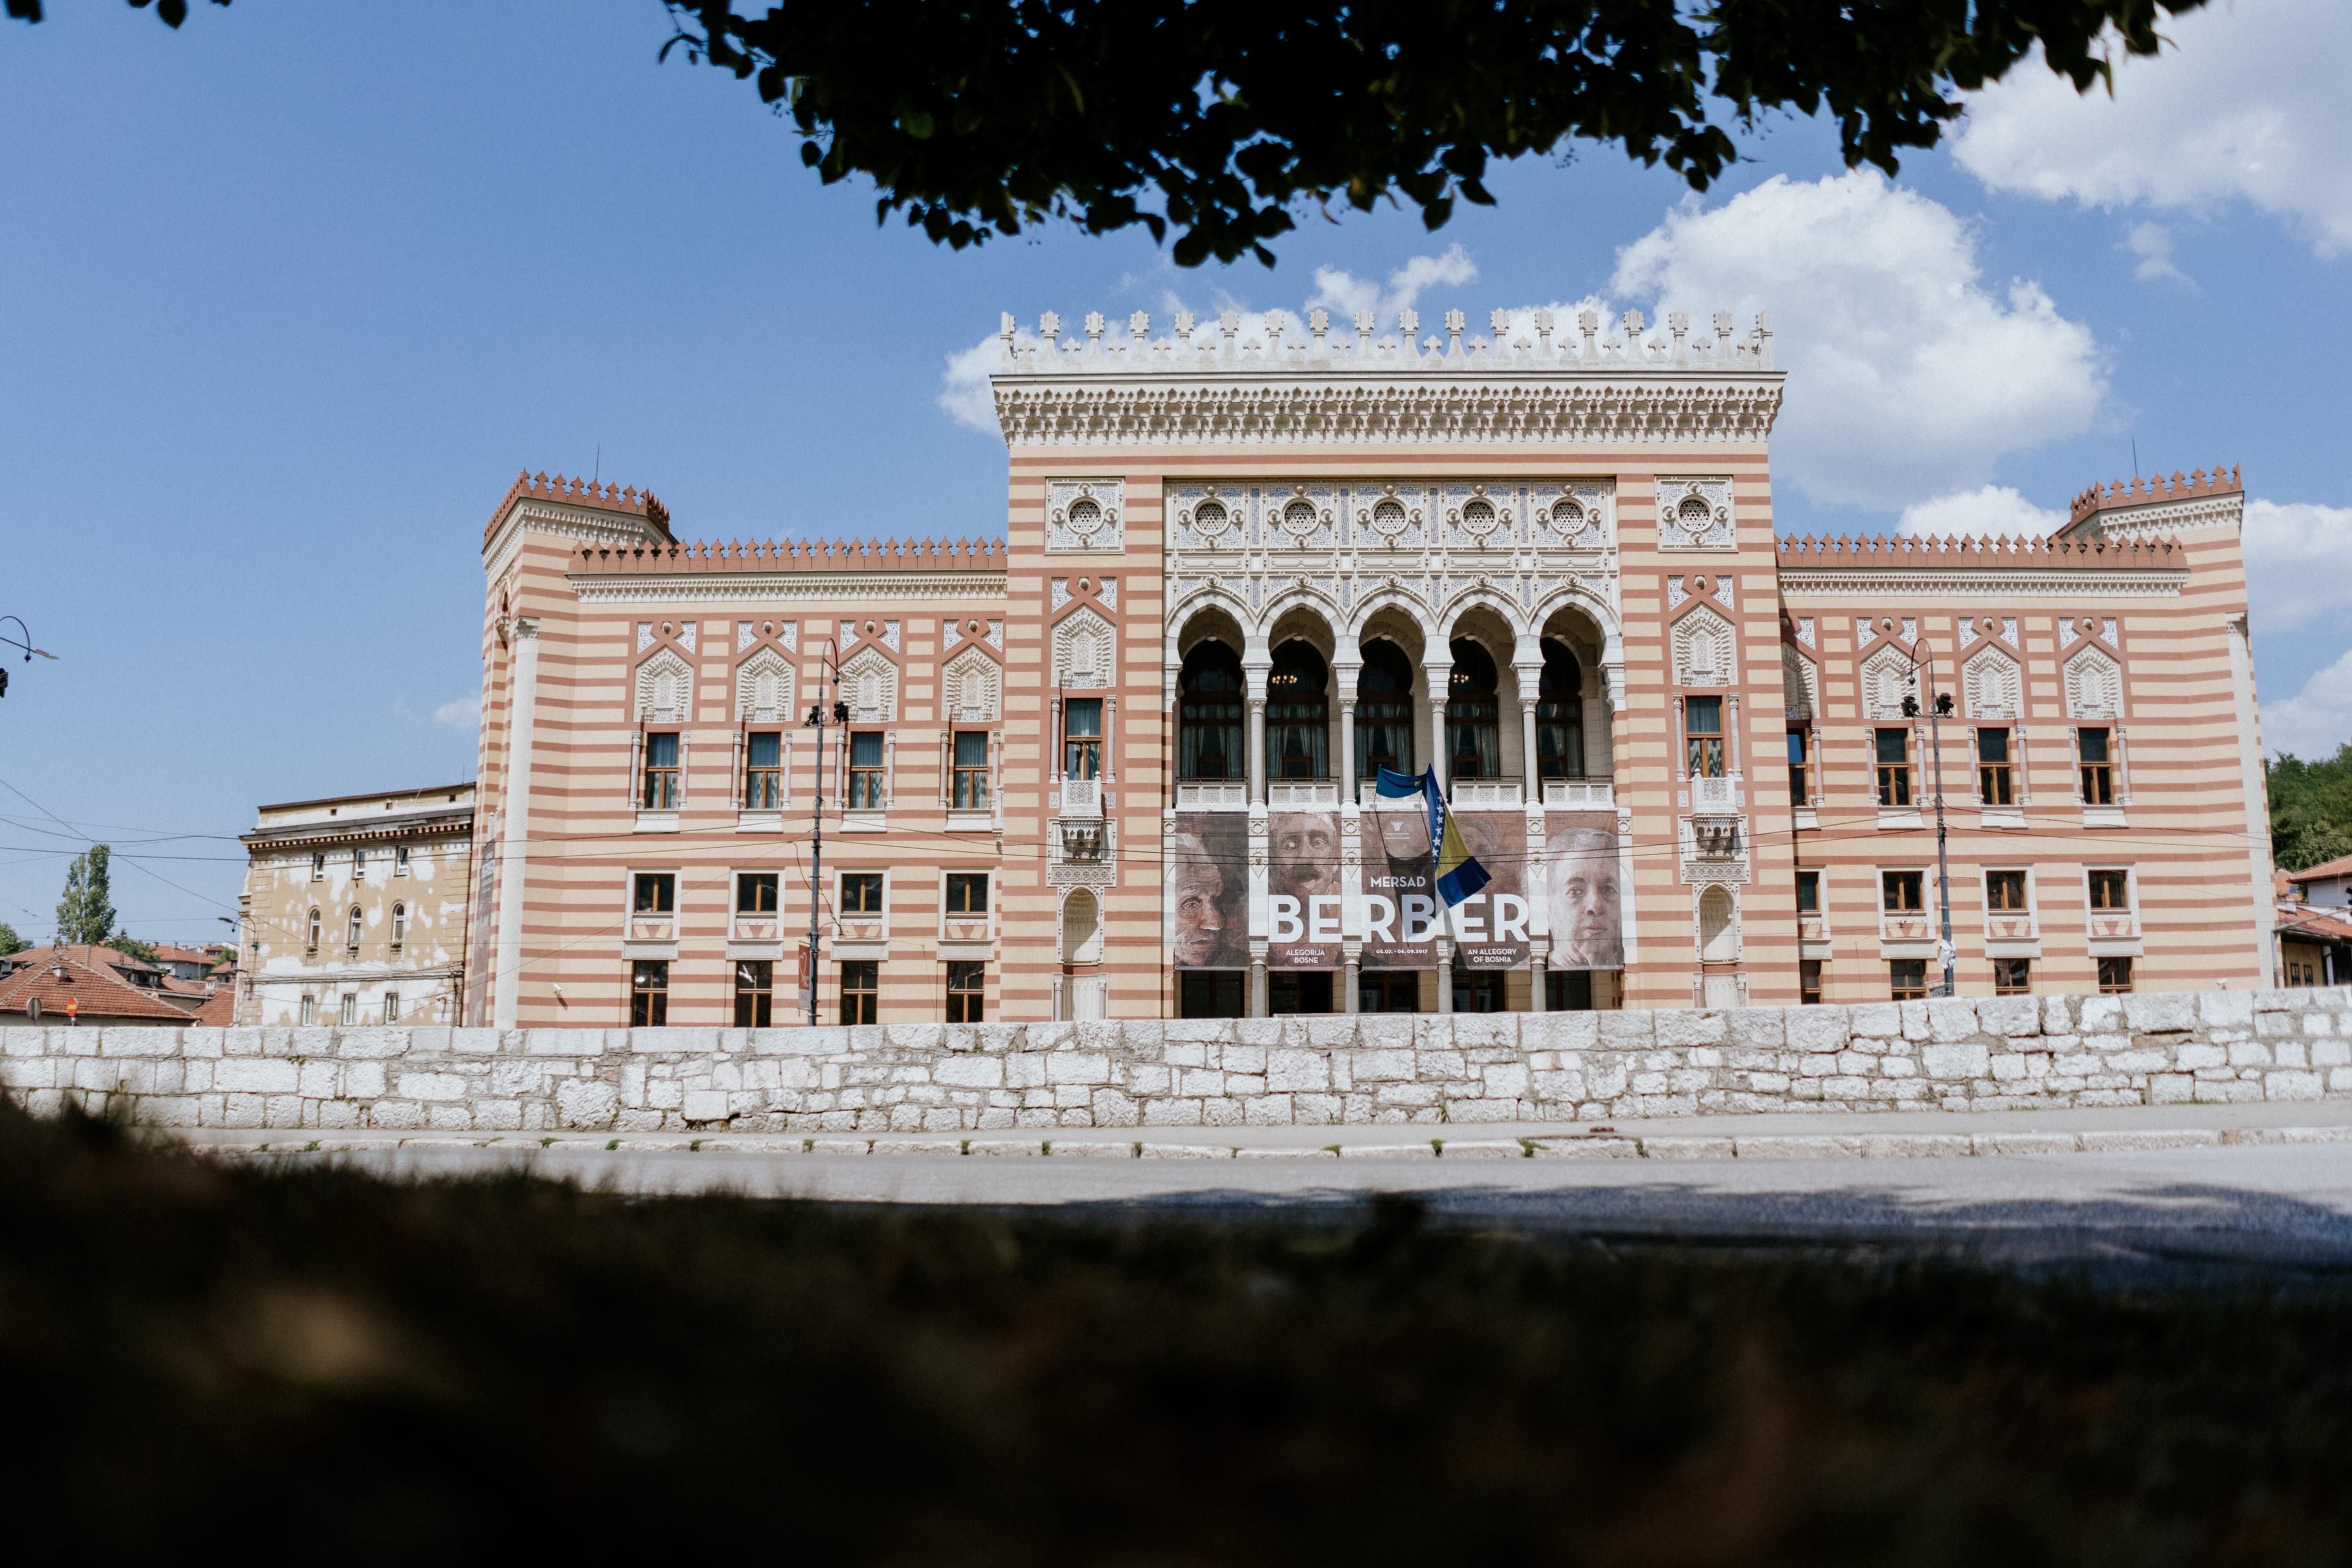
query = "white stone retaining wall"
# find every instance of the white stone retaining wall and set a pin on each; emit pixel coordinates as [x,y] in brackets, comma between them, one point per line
[1961,1054]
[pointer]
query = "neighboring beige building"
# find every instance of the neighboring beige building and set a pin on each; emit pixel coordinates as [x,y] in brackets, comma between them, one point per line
[354,909]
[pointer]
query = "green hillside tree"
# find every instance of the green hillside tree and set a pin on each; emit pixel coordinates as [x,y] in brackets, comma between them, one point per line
[9,941]
[86,914]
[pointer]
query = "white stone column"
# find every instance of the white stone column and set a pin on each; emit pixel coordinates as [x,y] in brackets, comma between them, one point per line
[1254,677]
[1258,1000]
[1528,771]
[1444,975]
[1538,969]
[514,829]
[1351,969]
[1346,771]
[1440,678]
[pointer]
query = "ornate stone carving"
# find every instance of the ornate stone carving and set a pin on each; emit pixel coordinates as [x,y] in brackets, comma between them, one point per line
[1993,685]
[869,683]
[1799,686]
[2095,686]
[1084,514]
[1695,512]
[1703,649]
[763,687]
[968,689]
[1082,649]
[1886,681]
[665,688]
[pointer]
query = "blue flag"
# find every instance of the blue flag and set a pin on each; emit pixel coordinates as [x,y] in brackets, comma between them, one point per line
[1459,874]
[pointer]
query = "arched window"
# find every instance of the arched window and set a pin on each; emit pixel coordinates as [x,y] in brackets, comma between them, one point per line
[1474,742]
[1298,713]
[351,928]
[399,924]
[1209,715]
[1384,711]
[1718,928]
[1081,928]
[1559,715]
[313,934]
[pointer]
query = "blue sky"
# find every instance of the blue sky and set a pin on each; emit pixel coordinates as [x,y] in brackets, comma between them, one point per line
[286,299]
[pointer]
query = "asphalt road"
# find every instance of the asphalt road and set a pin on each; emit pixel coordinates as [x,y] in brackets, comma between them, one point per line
[2272,1211]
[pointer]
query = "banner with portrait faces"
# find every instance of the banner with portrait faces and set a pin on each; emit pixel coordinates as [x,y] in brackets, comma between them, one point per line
[1303,902]
[1206,860]
[1584,900]
[1402,917]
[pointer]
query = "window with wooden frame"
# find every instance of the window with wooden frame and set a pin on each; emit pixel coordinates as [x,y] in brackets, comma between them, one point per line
[399,926]
[1893,752]
[970,780]
[1995,785]
[310,933]
[358,864]
[400,860]
[1800,772]
[1808,892]
[657,782]
[763,770]
[2013,977]
[861,991]
[861,894]
[649,994]
[1082,727]
[866,770]
[2111,892]
[755,992]
[2005,892]
[352,925]
[967,993]
[756,892]
[1702,736]
[319,865]
[1902,892]
[968,893]
[653,893]
[1809,982]
[1906,978]
[2093,746]
[2115,977]
[351,1007]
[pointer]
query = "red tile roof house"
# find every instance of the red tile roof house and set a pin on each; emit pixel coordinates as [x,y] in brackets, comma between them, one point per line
[2327,883]
[89,985]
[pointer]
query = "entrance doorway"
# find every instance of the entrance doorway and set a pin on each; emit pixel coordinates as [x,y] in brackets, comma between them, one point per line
[1209,994]
[1478,991]
[1568,991]
[1388,991]
[1298,991]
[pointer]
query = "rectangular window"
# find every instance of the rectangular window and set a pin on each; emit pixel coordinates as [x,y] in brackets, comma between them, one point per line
[1906,978]
[865,771]
[1808,892]
[350,1007]
[861,894]
[309,1007]
[970,792]
[2005,891]
[967,892]
[319,867]
[763,770]
[2115,975]
[861,991]
[1893,767]
[658,789]
[359,864]
[1994,785]
[1809,982]
[400,861]
[2013,977]
[2098,768]
[1082,738]
[1900,891]
[649,994]
[1702,736]
[755,893]
[657,893]
[967,993]
[391,1006]
[2111,892]
[1800,781]
[755,993]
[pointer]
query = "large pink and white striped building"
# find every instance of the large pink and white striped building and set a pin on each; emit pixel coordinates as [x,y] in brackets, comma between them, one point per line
[1118,764]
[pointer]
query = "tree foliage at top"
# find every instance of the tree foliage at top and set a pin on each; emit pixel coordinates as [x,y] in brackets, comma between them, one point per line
[1223,122]
[132,947]
[9,941]
[86,914]
[2311,810]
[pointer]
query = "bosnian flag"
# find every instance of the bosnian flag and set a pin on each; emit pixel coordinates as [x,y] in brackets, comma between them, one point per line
[1459,874]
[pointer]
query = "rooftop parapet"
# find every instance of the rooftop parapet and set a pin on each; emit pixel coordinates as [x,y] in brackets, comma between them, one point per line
[797,555]
[579,492]
[1906,551]
[1521,341]
[2146,492]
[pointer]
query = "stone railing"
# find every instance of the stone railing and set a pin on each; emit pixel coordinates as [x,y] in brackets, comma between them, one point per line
[1991,1053]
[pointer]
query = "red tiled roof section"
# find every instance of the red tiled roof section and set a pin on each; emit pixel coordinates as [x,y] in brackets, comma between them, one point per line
[2340,867]
[580,492]
[89,980]
[2311,922]
[218,1012]
[2142,492]
[800,555]
[2041,554]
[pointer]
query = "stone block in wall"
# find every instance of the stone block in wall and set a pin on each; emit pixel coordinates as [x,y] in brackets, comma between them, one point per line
[2226,1009]
[2014,1016]
[1952,1019]
[1561,1031]
[1946,1062]
[971,1071]
[1682,1028]
[134,1042]
[256,1074]
[1820,1028]
[1631,1029]
[2293,1086]
[586,1102]
[1078,1068]
[1298,1072]
[2156,1012]
[1757,1028]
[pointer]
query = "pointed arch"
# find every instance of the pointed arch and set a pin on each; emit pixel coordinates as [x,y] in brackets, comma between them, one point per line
[968,687]
[1704,655]
[869,682]
[1885,683]
[1801,686]
[665,688]
[764,686]
[2095,686]
[1083,651]
[1992,684]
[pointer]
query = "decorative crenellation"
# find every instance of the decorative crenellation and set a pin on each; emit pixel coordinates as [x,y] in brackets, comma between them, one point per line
[1522,340]
[585,493]
[1914,551]
[2136,491]
[797,555]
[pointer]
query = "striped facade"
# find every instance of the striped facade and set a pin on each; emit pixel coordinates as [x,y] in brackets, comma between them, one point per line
[1119,765]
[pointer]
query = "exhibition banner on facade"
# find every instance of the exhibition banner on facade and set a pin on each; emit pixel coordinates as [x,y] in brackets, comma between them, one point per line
[1403,916]
[1303,902]
[1206,860]
[1585,909]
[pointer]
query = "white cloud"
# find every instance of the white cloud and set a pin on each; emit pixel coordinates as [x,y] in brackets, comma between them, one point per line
[2298,564]
[460,713]
[963,388]
[1968,514]
[1908,378]
[2315,720]
[2152,243]
[1343,293]
[2247,106]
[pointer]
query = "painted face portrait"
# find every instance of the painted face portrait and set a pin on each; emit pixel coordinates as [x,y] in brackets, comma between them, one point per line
[1199,906]
[1587,929]
[1305,854]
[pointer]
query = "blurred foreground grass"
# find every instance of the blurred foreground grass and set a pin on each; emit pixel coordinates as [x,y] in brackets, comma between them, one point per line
[204,1355]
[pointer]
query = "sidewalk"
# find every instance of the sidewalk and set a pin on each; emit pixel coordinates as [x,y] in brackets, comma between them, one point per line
[1899,1134]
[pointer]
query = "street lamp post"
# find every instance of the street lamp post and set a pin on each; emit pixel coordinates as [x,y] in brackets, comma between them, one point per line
[819,710]
[24,642]
[1939,704]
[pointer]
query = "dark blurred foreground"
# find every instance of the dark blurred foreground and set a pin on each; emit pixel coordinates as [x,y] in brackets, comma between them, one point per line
[199,1355]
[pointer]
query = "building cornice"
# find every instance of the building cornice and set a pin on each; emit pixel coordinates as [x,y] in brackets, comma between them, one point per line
[1975,581]
[791,587]
[306,836]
